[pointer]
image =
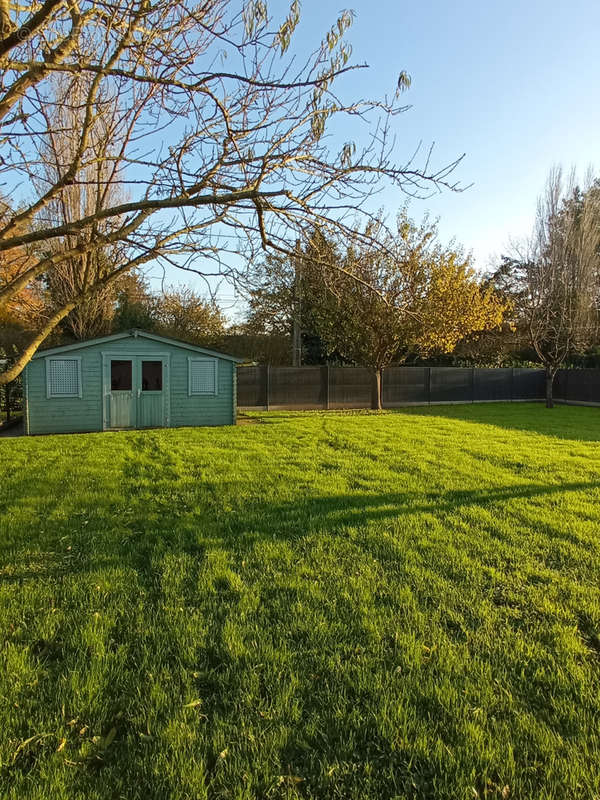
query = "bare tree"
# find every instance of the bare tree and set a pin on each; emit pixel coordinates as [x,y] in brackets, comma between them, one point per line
[220,132]
[553,278]
[96,188]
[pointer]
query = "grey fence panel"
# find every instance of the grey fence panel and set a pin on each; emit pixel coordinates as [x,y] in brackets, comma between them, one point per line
[528,384]
[578,385]
[492,384]
[296,387]
[350,387]
[405,385]
[251,386]
[451,385]
[560,384]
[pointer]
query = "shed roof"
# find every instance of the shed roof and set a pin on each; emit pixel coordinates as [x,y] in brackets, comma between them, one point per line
[135,333]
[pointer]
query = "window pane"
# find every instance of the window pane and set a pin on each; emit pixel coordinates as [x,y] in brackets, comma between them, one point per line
[120,375]
[202,376]
[64,377]
[152,376]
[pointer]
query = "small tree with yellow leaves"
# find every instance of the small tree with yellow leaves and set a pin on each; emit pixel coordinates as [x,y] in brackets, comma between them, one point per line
[411,294]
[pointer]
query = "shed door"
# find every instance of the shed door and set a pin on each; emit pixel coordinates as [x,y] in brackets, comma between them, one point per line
[138,385]
[122,405]
[150,393]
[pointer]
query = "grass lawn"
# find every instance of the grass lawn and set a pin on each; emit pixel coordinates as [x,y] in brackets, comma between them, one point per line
[318,605]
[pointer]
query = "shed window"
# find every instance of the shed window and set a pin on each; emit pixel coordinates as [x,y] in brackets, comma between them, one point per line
[63,377]
[202,375]
[151,376]
[120,375]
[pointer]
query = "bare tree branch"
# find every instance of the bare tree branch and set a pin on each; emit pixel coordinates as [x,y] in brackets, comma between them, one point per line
[198,152]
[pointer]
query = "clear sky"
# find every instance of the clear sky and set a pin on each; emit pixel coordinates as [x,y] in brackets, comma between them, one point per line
[513,85]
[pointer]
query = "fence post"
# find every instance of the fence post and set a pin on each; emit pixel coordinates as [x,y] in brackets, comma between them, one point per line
[268,386]
[472,384]
[428,385]
[7,401]
[325,380]
[512,384]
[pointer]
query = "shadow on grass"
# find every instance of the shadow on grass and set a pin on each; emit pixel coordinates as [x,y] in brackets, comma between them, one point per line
[136,542]
[294,652]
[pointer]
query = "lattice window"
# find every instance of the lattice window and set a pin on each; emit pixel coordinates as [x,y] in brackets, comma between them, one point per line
[202,375]
[63,377]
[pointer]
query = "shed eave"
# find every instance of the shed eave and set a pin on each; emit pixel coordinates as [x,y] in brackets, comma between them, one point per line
[135,333]
[187,345]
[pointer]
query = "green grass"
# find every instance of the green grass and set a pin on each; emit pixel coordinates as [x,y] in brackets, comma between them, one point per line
[352,605]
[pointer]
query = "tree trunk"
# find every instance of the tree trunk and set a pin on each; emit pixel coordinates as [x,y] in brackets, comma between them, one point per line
[550,373]
[377,390]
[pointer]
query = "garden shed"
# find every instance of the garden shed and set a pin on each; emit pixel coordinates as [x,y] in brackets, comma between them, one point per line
[128,380]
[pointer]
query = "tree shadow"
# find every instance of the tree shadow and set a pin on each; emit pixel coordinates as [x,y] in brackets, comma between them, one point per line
[240,528]
[286,665]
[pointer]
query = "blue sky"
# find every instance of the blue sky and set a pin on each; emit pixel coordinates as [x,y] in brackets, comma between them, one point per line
[513,85]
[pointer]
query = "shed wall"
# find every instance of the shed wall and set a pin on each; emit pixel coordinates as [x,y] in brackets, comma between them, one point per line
[66,414]
[200,409]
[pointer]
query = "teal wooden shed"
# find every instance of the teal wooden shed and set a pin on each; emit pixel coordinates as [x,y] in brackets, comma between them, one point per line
[126,381]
